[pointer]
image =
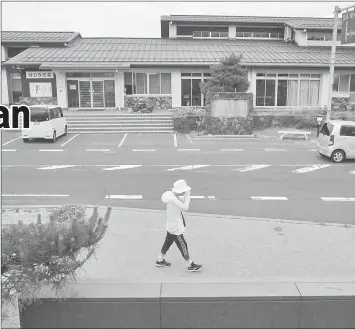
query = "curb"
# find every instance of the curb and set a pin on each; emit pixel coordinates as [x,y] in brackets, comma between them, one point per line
[215,216]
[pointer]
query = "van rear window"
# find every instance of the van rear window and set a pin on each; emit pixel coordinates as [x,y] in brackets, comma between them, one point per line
[327,129]
[39,115]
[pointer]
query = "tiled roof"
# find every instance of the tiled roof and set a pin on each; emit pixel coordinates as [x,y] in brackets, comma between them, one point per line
[296,22]
[125,51]
[37,37]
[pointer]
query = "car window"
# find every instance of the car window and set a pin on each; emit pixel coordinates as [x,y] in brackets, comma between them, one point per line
[39,114]
[327,129]
[54,113]
[347,131]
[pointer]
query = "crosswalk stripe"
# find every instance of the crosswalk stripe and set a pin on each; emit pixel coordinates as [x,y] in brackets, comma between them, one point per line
[55,150]
[309,169]
[122,167]
[143,150]
[9,150]
[250,168]
[57,167]
[190,167]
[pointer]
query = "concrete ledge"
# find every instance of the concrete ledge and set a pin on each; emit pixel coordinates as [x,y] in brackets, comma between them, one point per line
[100,304]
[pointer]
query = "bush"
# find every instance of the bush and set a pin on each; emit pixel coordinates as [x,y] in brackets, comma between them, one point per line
[189,110]
[228,126]
[189,123]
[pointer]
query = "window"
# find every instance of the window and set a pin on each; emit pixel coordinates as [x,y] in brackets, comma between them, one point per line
[352,83]
[16,87]
[342,83]
[39,114]
[190,88]
[147,83]
[347,131]
[285,89]
[40,89]
[327,129]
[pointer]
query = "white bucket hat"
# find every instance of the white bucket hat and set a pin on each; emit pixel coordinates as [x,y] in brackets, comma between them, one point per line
[180,186]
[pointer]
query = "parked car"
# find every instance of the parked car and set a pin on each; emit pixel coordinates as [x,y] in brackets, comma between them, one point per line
[47,121]
[336,140]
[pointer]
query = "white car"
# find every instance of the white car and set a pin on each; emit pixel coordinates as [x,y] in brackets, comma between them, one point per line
[47,121]
[336,140]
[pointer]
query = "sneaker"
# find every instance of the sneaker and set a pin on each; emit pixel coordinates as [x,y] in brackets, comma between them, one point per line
[163,263]
[194,267]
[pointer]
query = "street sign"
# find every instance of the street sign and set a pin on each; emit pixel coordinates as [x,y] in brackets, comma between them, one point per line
[348,27]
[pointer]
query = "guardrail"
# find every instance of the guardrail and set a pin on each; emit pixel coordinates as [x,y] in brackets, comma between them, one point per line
[197,305]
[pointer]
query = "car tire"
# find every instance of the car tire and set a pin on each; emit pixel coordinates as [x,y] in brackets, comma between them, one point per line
[54,138]
[66,130]
[338,156]
[25,140]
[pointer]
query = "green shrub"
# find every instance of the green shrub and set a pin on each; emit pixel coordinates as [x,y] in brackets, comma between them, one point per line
[187,124]
[228,126]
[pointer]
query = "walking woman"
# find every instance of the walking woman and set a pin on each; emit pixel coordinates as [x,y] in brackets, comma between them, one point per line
[177,200]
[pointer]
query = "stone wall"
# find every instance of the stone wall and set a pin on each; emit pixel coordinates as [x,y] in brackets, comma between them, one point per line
[158,102]
[38,100]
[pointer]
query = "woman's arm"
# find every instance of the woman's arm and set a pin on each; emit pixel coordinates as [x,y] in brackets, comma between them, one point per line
[185,204]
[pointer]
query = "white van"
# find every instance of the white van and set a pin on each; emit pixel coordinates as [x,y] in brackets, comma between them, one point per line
[336,140]
[47,121]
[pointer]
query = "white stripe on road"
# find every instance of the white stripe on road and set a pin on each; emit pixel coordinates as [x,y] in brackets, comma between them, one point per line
[9,150]
[98,150]
[251,168]
[175,141]
[200,197]
[274,150]
[124,197]
[352,172]
[122,141]
[57,167]
[190,167]
[188,150]
[269,198]
[189,138]
[69,140]
[143,150]
[55,150]
[211,197]
[337,199]
[232,150]
[12,140]
[309,169]
[35,195]
[122,167]
[312,150]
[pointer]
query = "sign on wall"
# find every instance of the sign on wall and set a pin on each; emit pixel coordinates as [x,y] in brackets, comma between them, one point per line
[40,89]
[348,27]
[39,75]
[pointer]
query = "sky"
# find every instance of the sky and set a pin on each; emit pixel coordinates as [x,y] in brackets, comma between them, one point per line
[139,19]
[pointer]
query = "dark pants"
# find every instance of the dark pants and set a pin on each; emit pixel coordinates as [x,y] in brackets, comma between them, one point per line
[180,242]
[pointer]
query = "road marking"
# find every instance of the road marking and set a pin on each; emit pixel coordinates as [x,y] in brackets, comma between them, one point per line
[9,150]
[352,172]
[237,150]
[124,197]
[35,195]
[69,140]
[182,150]
[98,150]
[251,168]
[269,198]
[211,197]
[312,150]
[57,167]
[143,150]
[274,150]
[189,138]
[122,141]
[12,140]
[56,150]
[200,197]
[337,199]
[309,169]
[122,167]
[175,141]
[189,167]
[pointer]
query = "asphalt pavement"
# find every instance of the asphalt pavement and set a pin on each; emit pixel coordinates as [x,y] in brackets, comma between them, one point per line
[262,177]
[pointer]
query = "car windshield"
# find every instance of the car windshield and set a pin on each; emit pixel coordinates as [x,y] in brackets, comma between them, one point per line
[39,114]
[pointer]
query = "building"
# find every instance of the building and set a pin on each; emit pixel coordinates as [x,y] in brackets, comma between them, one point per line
[287,60]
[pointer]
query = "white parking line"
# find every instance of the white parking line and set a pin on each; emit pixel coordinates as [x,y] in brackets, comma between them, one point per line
[35,195]
[69,140]
[337,199]
[183,150]
[251,168]
[309,169]
[122,141]
[236,150]
[12,140]
[274,150]
[124,197]
[189,167]
[57,167]
[269,198]
[9,150]
[352,172]
[189,138]
[55,150]
[143,150]
[122,167]
[312,150]
[175,141]
[199,197]
[98,150]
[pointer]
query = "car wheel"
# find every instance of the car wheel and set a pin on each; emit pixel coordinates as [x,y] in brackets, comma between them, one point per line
[338,156]
[25,140]
[66,131]
[54,137]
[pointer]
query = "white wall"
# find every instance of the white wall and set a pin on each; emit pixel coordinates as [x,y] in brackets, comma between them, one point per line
[4,87]
[62,98]
[176,88]
[3,53]
[119,89]
[232,31]
[172,31]
[301,38]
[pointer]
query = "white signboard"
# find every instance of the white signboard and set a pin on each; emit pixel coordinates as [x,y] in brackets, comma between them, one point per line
[39,75]
[40,89]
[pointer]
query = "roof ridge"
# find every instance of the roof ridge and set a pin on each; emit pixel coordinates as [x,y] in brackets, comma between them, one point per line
[234,16]
[39,31]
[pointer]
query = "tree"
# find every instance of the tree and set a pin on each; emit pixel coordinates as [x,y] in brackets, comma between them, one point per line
[227,76]
[48,253]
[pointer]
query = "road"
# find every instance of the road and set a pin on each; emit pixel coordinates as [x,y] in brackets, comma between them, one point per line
[248,177]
